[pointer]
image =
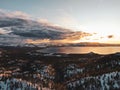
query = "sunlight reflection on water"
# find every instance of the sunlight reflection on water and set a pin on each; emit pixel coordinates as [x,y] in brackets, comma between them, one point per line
[79,50]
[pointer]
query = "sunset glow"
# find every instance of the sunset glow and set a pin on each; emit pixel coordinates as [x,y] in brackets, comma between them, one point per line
[100,18]
[47,41]
[114,39]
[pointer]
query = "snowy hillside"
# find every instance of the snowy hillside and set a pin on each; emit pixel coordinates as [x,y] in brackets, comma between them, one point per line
[25,68]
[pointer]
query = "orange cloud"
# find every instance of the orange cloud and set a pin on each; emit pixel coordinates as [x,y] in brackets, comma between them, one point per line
[110,36]
[39,41]
[48,41]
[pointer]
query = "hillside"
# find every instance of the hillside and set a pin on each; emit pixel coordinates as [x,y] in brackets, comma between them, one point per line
[25,68]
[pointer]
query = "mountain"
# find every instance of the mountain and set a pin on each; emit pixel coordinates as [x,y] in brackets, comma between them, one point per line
[26,69]
[16,30]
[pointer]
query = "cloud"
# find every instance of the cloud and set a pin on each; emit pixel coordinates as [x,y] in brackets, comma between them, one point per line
[42,20]
[21,14]
[3,31]
[48,41]
[67,20]
[15,14]
[38,41]
[110,36]
[35,32]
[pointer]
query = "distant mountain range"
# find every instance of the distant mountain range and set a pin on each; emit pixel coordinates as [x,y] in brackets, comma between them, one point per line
[16,30]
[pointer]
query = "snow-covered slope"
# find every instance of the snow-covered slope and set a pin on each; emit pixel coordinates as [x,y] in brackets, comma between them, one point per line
[108,81]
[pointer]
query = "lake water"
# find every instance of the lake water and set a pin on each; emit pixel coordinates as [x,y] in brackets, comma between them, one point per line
[81,50]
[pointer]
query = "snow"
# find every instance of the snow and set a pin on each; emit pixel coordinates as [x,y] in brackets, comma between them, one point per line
[106,81]
[18,84]
[72,69]
[45,74]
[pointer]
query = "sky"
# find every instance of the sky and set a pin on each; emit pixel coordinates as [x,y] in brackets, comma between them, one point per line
[95,16]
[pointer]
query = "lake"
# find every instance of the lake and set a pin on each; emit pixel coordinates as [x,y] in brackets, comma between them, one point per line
[81,50]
